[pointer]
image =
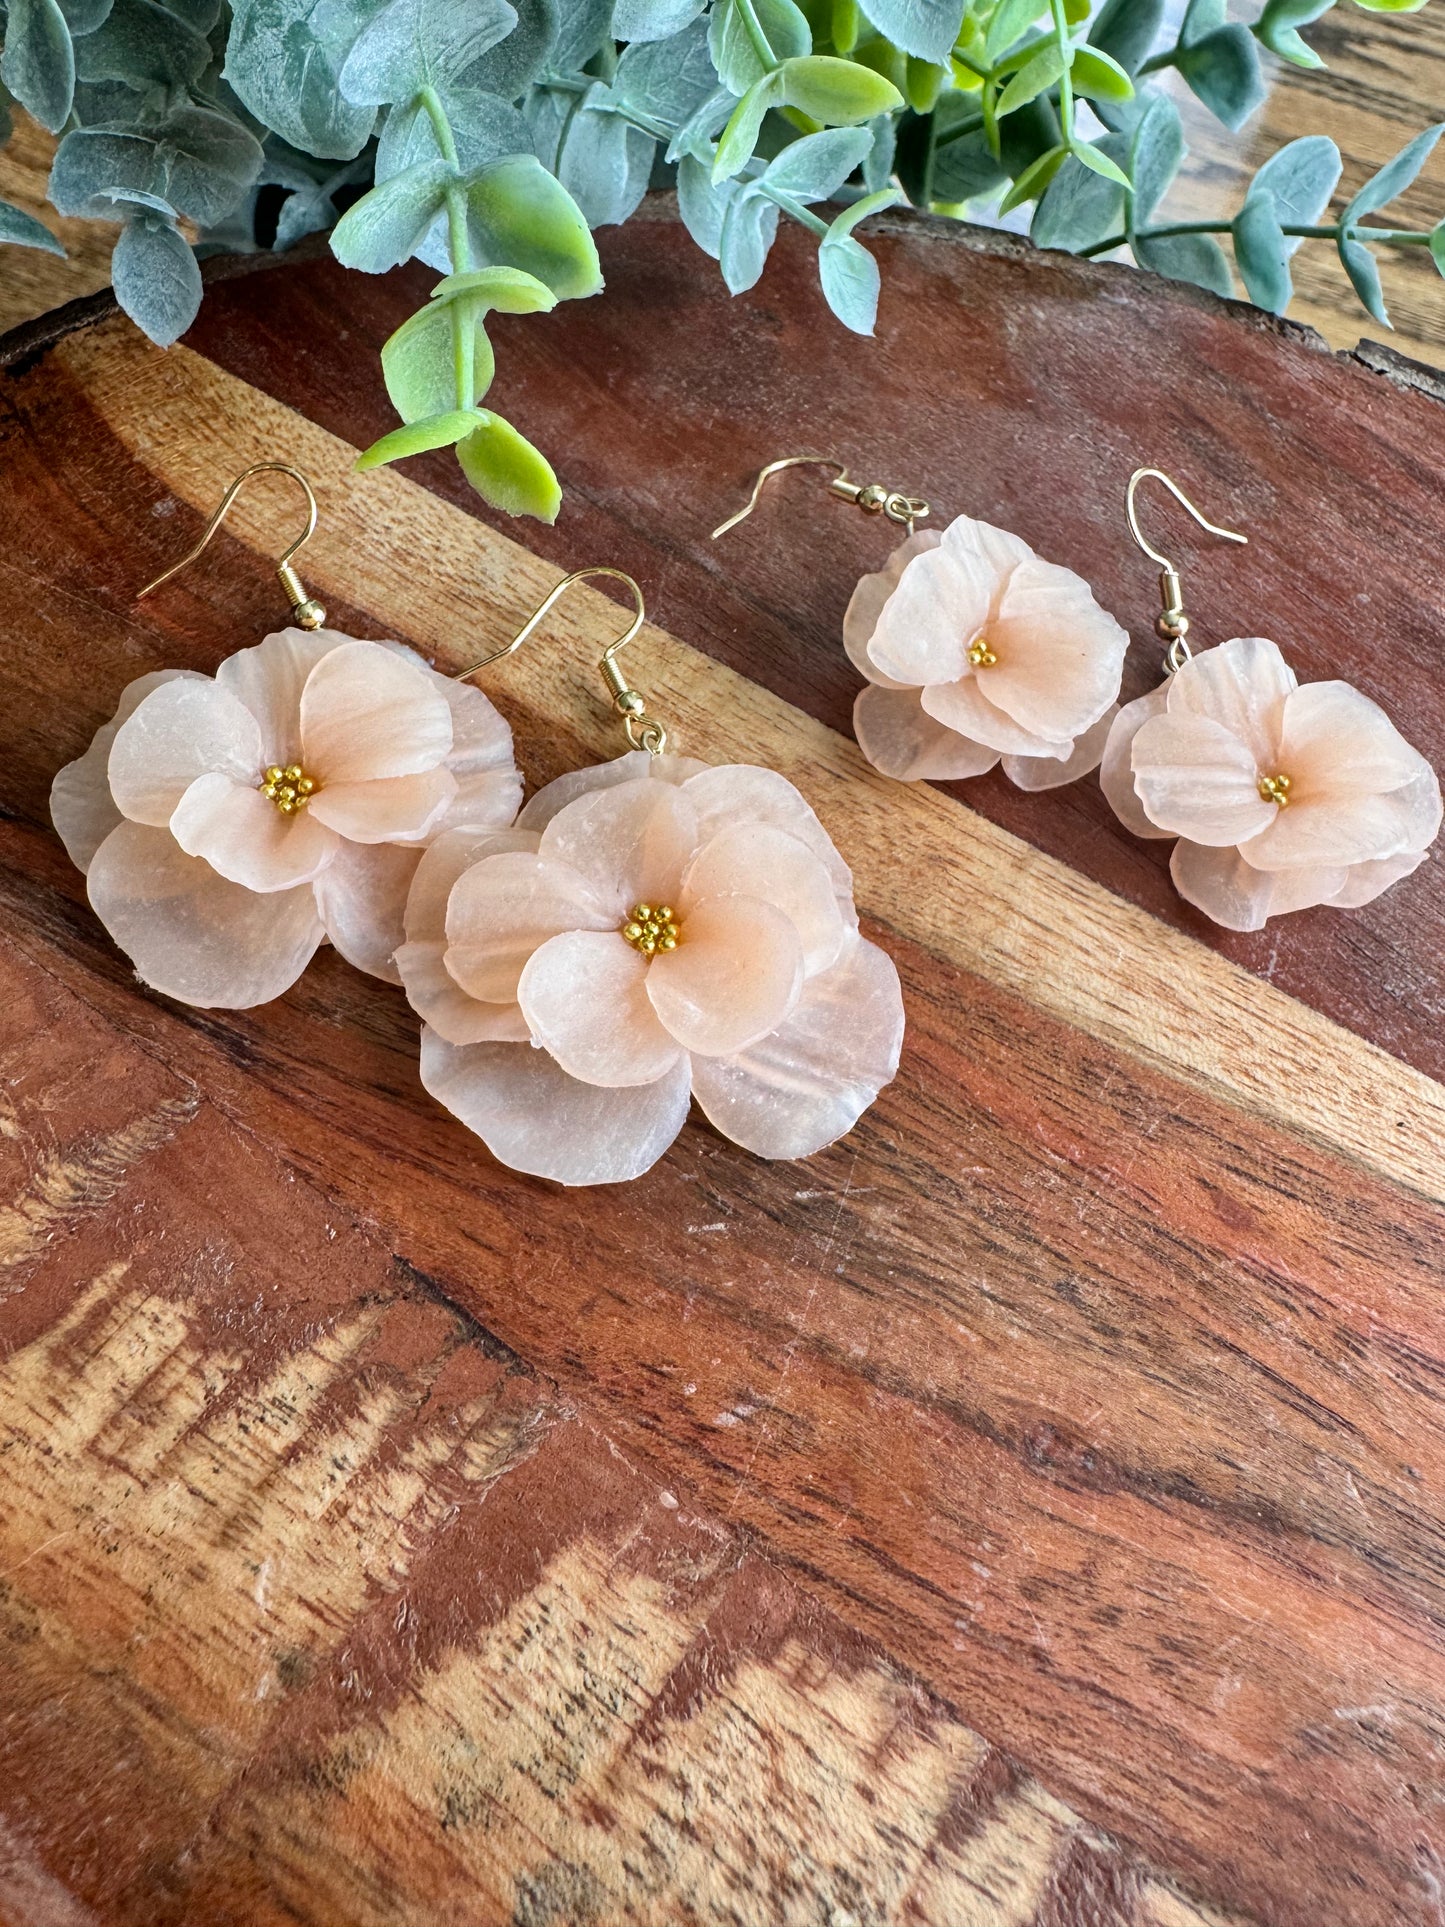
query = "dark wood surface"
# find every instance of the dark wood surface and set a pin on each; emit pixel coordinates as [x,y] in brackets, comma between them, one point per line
[1029,1510]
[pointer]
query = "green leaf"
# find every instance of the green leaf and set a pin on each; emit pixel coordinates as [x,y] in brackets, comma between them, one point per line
[965,167]
[1391,181]
[411,44]
[505,470]
[1079,207]
[1261,255]
[1390,6]
[1156,154]
[653,20]
[520,216]
[1202,17]
[604,162]
[156,277]
[849,275]
[1187,257]
[1098,162]
[22,230]
[283,58]
[740,136]
[1098,76]
[84,16]
[927,29]
[1034,179]
[1038,73]
[1359,265]
[499,290]
[815,167]
[1276,28]
[1437,247]
[484,128]
[668,80]
[1223,69]
[385,227]
[38,65]
[515,63]
[1010,20]
[416,438]
[1126,30]
[702,205]
[923,84]
[748,231]
[1301,179]
[197,160]
[144,46]
[419,362]
[784,25]
[840,93]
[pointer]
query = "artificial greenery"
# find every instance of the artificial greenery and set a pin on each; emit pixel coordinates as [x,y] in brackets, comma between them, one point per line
[487,138]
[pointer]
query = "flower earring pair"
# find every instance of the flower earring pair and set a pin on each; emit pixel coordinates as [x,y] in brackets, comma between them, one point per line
[646,931]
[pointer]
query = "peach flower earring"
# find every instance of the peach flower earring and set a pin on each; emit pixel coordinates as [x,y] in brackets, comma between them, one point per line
[653,930]
[228,825]
[1281,795]
[975,650]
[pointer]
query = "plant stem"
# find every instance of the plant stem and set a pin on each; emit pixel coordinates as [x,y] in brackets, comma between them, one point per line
[464,358]
[795,208]
[1384,236]
[762,47]
[1066,85]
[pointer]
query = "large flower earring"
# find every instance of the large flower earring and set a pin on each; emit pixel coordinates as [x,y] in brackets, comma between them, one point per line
[652,930]
[229,824]
[1282,796]
[976,651]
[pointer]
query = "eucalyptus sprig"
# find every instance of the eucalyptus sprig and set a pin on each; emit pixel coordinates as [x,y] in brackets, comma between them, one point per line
[488,138]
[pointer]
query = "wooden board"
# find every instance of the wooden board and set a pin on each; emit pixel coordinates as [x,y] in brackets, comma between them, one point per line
[1029,1510]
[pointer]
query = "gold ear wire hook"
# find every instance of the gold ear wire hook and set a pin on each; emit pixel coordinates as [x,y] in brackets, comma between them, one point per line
[629,703]
[1171,625]
[872,497]
[308,612]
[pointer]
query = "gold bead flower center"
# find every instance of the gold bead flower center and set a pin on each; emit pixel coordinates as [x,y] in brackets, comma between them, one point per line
[980,655]
[650,930]
[1274,789]
[290,789]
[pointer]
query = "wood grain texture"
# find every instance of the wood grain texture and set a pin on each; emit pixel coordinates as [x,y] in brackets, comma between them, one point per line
[775,1535]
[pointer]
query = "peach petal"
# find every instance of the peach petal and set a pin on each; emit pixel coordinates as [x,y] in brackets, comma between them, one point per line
[246,839]
[1052,772]
[866,603]
[1242,685]
[943,599]
[1338,832]
[368,713]
[361,897]
[1230,891]
[555,796]
[435,996]
[747,793]
[1365,881]
[965,708]
[630,842]
[442,863]
[391,809]
[1060,656]
[1337,743]
[504,909]
[1116,772]
[900,739]
[809,1081]
[184,729]
[81,805]
[191,934]
[754,860]
[734,977]
[584,995]
[1197,778]
[489,784]
[535,1118]
[269,677]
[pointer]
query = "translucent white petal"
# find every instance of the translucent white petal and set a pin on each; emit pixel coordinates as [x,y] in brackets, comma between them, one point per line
[442,863]
[555,796]
[1060,656]
[1052,772]
[809,1081]
[534,1117]
[900,739]
[400,809]
[506,907]
[1196,778]
[756,860]
[630,842]
[81,805]
[1226,888]
[747,793]
[964,708]
[435,995]
[361,896]
[246,839]
[943,600]
[584,995]
[1336,743]
[1116,772]
[1365,881]
[734,977]
[269,677]
[1341,831]
[866,603]
[184,729]
[489,784]
[366,713]
[190,933]
[1241,685]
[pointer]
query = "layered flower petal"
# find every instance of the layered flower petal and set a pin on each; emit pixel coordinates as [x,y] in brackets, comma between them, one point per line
[555,796]
[1241,685]
[435,995]
[442,862]
[1340,831]
[505,908]
[733,978]
[367,713]
[1060,656]
[943,600]
[755,860]
[1335,742]
[361,896]
[186,728]
[391,809]
[269,677]
[535,1118]
[246,839]
[1197,778]
[746,793]
[630,842]
[1116,772]
[965,708]
[191,934]
[1235,894]
[489,784]
[1365,881]
[81,805]
[899,738]
[1052,772]
[866,603]
[585,996]
[808,1082]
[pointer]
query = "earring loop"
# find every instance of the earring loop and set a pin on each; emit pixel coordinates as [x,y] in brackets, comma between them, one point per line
[307,610]
[630,704]
[872,497]
[1171,625]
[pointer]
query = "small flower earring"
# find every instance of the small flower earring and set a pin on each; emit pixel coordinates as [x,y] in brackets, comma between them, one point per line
[1282,796]
[228,825]
[976,651]
[652,930]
